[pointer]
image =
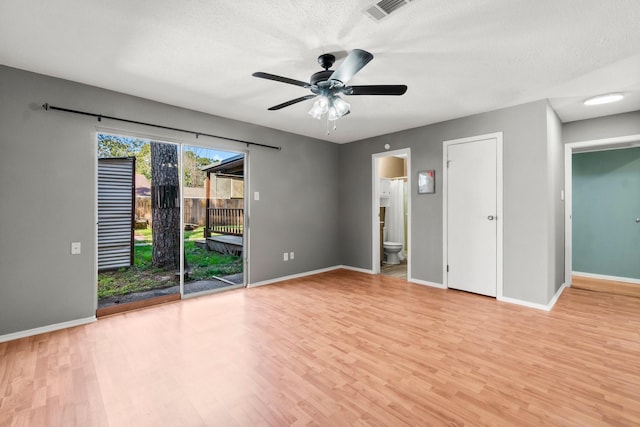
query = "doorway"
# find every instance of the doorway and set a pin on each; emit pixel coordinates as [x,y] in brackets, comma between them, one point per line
[617,227]
[157,217]
[472,217]
[391,213]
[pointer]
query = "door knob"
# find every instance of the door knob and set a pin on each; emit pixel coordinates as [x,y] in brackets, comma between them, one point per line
[637,220]
[490,217]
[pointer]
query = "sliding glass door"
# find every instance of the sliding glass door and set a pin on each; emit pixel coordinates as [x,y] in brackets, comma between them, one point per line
[163,209]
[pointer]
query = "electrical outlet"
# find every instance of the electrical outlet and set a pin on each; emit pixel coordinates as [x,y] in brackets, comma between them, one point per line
[75,248]
[286,256]
[291,255]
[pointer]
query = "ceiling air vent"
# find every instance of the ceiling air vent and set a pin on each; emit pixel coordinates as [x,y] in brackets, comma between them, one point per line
[384,8]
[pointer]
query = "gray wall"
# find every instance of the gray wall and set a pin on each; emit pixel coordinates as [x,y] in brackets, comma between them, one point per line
[555,175]
[602,127]
[528,229]
[48,161]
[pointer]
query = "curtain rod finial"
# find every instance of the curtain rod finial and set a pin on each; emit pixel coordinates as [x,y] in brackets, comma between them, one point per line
[45,106]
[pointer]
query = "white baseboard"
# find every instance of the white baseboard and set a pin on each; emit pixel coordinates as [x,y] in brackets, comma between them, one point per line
[545,307]
[605,277]
[524,303]
[426,283]
[48,328]
[309,273]
[361,270]
[556,296]
[293,276]
[337,267]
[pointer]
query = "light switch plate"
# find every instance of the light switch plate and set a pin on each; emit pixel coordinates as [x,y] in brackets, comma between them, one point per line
[256,195]
[76,248]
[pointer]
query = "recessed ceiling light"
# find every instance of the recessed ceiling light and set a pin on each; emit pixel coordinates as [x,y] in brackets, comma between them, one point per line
[604,99]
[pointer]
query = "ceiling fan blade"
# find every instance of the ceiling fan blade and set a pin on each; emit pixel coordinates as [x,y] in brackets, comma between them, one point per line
[353,63]
[376,90]
[293,101]
[281,79]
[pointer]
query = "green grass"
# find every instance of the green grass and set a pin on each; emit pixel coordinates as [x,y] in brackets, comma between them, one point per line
[145,233]
[127,280]
[143,277]
[205,263]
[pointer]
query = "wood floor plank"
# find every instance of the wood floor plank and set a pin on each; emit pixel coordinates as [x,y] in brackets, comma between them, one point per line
[604,285]
[338,348]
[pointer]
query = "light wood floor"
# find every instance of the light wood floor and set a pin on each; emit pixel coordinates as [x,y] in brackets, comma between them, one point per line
[603,285]
[339,348]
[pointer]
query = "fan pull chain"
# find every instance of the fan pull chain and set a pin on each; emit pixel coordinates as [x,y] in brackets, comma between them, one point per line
[335,126]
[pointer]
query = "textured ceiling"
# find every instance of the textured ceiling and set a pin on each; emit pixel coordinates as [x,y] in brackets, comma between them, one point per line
[457,57]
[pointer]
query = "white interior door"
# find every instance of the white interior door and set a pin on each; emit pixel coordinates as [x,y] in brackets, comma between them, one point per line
[472,216]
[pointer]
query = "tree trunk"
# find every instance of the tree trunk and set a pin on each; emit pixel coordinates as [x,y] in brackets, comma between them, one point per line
[165,206]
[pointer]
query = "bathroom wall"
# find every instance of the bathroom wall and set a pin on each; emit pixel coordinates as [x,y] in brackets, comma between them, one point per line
[392,167]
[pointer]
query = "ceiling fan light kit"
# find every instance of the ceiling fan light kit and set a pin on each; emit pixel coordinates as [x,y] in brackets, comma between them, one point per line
[328,85]
[335,107]
[340,106]
[320,107]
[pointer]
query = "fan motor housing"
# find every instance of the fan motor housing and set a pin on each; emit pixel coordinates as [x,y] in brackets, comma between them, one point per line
[320,76]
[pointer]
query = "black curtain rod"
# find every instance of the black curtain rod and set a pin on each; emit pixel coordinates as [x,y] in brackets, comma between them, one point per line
[197,134]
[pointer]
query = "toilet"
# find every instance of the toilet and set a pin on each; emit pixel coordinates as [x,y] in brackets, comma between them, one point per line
[391,250]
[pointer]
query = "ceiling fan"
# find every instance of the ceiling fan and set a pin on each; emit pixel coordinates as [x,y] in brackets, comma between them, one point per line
[328,85]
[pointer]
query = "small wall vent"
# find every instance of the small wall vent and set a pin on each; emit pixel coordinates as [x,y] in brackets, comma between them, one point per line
[380,10]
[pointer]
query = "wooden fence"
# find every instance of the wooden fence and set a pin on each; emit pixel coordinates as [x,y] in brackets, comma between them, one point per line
[195,210]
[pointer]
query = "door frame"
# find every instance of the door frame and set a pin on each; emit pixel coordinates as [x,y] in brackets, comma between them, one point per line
[499,206]
[617,142]
[375,208]
[180,143]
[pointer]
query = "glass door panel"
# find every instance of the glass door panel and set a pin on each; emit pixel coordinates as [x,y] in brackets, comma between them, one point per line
[213,209]
[138,254]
